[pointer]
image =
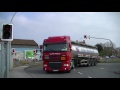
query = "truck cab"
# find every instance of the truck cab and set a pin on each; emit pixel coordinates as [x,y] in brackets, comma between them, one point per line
[56,54]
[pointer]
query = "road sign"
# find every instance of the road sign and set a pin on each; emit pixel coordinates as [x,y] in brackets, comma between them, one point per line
[29,54]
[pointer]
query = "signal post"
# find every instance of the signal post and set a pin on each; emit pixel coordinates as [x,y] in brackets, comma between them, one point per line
[7,37]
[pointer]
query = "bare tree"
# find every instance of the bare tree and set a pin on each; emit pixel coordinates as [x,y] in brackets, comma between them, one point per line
[108,48]
[114,46]
[107,44]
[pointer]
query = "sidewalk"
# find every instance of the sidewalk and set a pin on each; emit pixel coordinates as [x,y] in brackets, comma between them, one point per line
[19,72]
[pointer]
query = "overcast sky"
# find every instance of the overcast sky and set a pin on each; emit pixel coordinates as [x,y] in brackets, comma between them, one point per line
[40,25]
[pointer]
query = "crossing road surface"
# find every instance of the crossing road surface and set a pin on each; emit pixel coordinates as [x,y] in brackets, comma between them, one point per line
[101,70]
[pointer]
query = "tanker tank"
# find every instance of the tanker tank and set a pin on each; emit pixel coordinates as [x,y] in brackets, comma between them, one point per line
[84,54]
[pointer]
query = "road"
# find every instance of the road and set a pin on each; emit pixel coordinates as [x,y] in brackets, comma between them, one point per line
[101,70]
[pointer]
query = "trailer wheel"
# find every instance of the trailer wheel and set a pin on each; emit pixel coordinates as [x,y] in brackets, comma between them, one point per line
[75,63]
[94,64]
[88,64]
[73,66]
[68,71]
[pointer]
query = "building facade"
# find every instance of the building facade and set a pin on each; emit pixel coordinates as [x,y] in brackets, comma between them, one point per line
[22,49]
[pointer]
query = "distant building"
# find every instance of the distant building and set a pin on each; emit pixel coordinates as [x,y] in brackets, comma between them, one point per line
[22,44]
[24,49]
[118,49]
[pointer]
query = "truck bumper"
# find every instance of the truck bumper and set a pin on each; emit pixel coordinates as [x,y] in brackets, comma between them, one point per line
[56,67]
[56,70]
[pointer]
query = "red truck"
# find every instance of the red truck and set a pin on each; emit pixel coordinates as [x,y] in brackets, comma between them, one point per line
[59,53]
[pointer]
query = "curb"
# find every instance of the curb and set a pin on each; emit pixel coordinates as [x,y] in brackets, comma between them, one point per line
[117,72]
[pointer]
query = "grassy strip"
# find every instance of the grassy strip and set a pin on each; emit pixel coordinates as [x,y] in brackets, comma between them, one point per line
[29,63]
[32,63]
[109,61]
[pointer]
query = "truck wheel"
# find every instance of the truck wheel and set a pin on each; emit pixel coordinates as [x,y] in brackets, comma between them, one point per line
[47,71]
[68,71]
[73,66]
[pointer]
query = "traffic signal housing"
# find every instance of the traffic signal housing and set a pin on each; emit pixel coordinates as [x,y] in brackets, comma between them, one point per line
[85,36]
[41,47]
[13,51]
[7,32]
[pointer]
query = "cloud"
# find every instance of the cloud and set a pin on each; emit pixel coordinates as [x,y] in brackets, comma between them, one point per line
[40,25]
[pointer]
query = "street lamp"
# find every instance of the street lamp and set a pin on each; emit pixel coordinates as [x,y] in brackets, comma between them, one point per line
[12,17]
[9,61]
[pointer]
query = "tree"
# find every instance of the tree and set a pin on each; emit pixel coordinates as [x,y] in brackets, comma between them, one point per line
[106,49]
[100,47]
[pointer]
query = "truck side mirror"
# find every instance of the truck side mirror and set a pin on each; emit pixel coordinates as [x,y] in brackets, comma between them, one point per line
[41,46]
[41,51]
[70,47]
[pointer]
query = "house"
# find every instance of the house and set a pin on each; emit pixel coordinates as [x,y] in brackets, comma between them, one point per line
[22,44]
[21,49]
[24,49]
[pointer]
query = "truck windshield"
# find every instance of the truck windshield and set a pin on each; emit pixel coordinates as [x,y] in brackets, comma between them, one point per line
[55,47]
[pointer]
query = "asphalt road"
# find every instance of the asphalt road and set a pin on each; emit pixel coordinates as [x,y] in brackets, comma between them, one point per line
[101,70]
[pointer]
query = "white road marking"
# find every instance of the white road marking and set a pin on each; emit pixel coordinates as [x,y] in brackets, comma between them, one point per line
[101,68]
[89,77]
[80,73]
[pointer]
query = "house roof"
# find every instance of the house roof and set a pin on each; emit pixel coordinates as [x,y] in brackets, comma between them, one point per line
[24,42]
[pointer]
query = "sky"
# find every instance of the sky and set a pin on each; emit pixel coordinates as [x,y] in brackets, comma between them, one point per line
[40,25]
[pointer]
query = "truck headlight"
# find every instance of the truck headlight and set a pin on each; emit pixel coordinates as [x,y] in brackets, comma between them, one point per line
[45,65]
[66,65]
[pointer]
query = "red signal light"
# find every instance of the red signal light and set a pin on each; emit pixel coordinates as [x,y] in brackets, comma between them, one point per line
[41,46]
[13,50]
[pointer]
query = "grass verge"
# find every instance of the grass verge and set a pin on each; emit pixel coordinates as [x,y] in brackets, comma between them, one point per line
[29,63]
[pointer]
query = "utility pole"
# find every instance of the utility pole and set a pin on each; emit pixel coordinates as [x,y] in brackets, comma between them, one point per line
[10,58]
[5,46]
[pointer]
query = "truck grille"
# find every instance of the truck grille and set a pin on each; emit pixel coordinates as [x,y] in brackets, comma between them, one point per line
[54,57]
[55,65]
